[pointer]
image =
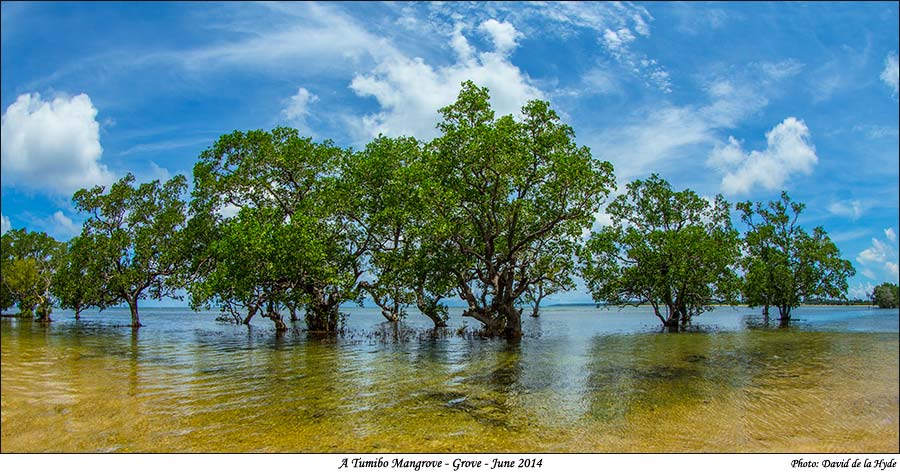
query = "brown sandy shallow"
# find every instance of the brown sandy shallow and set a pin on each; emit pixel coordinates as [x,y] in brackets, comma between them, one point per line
[750,391]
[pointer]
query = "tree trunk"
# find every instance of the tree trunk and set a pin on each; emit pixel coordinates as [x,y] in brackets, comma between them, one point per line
[77,312]
[784,312]
[279,323]
[43,309]
[133,306]
[432,308]
[322,315]
[673,320]
[536,309]
[438,321]
[513,316]
[276,318]
[251,311]
[292,308]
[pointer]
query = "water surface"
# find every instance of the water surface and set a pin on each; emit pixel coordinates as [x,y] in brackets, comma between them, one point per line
[582,380]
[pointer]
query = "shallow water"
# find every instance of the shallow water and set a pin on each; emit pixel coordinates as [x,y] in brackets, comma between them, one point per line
[582,380]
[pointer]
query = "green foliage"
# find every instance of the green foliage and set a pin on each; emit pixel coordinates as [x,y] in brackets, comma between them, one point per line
[377,182]
[553,274]
[886,295]
[134,236]
[672,250]
[28,260]
[504,197]
[783,264]
[406,264]
[294,239]
[75,282]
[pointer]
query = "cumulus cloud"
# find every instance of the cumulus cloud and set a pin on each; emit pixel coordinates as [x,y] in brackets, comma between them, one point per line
[502,34]
[879,261]
[626,23]
[891,73]
[788,152]
[52,146]
[860,291]
[662,138]
[63,225]
[4,224]
[297,108]
[409,91]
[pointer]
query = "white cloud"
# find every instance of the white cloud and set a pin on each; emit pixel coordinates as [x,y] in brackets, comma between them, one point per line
[410,91]
[618,44]
[617,27]
[663,139]
[847,235]
[891,73]
[879,261]
[852,209]
[229,211]
[63,225]
[694,19]
[4,224]
[782,69]
[892,270]
[731,101]
[460,44]
[164,145]
[308,35]
[788,152]
[601,81]
[157,172]
[52,146]
[861,291]
[297,108]
[503,34]
[661,136]
[617,41]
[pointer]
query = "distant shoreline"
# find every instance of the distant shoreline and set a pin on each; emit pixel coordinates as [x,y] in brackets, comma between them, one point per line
[558,305]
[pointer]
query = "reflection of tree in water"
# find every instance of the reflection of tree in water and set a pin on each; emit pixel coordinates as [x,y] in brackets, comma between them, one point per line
[133,365]
[726,386]
[645,372]
[489,396]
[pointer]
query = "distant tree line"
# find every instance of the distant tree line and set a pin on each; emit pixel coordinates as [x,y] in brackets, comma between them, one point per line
[493,211]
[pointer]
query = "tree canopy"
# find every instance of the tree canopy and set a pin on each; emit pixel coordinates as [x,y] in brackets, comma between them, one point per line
[505,194]
[672,250]
[886,295]
[75,282]
[494,211]
[783,264]
[135,239]
[28,260]
[291,217]
[385,183]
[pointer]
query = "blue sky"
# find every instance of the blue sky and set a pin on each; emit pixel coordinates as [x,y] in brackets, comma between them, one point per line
[741,99]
